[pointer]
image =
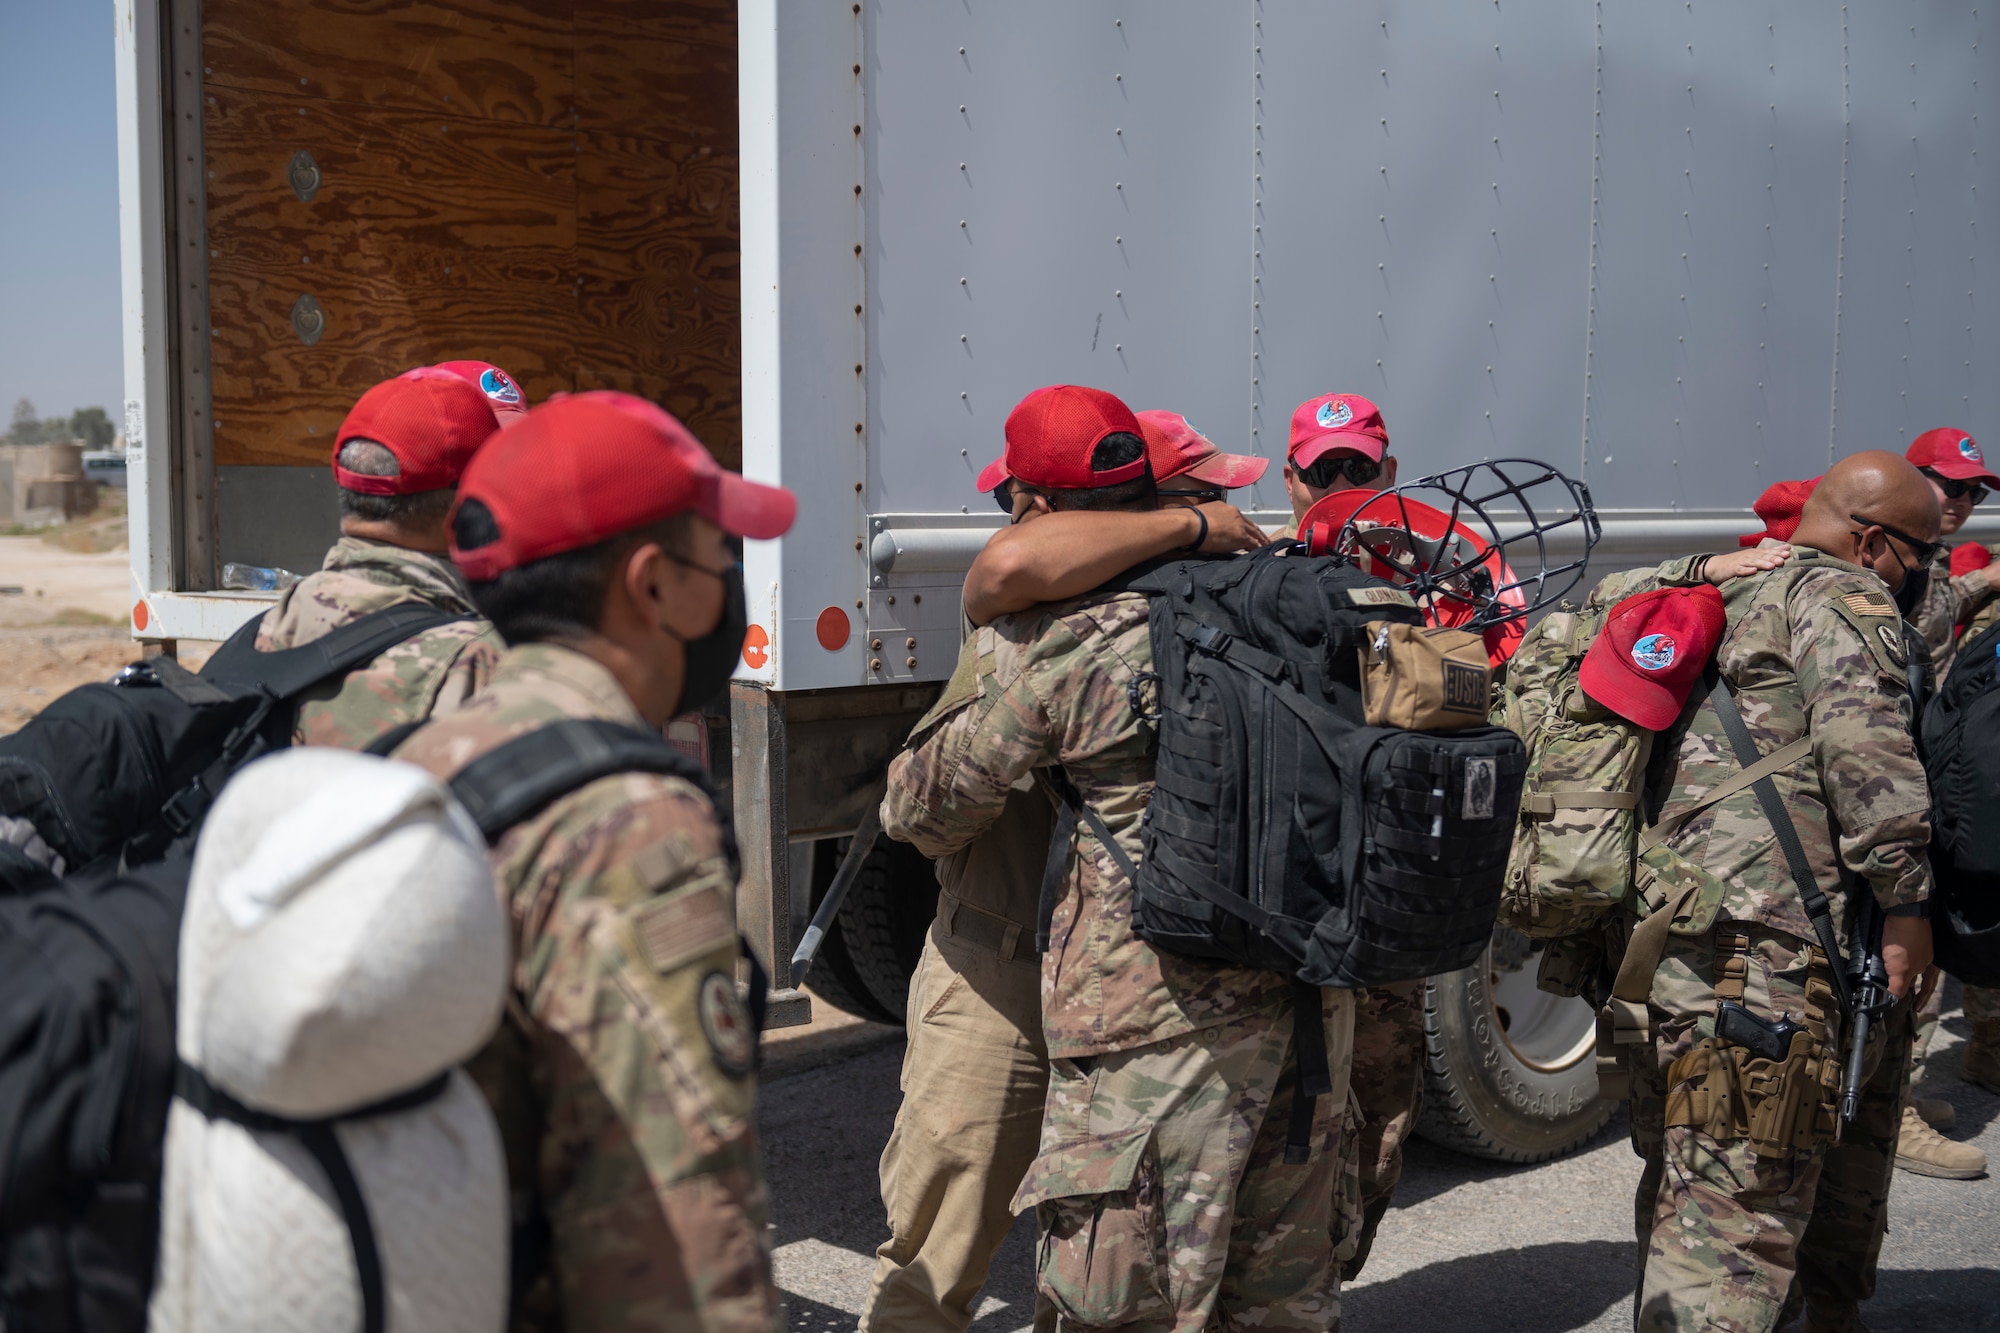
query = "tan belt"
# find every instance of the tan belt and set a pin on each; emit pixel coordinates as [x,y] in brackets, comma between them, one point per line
[960,920]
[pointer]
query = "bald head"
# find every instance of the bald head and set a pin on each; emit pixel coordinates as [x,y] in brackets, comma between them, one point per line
[1859,497]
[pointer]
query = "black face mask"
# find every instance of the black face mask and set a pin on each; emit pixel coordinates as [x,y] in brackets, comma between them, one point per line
[1909,597]
[711,659]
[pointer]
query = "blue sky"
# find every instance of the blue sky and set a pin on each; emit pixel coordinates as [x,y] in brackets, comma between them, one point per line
[59,303]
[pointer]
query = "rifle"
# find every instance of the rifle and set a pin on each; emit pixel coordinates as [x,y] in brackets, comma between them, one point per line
[1869,992]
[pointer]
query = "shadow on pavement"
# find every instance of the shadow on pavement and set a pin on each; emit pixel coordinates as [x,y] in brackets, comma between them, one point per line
[1907,1301]
[1429,1170]
[1539,1289]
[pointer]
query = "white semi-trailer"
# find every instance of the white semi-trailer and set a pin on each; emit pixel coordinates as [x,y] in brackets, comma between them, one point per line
[1683,250]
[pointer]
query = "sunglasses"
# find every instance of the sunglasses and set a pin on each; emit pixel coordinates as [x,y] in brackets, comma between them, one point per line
[1955,488]
[1924,551]
[1200,497]
[1324,472]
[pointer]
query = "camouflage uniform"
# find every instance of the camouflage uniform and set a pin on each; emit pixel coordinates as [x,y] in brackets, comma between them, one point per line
[425,675]
[622,1077]
[1160,1185]
[1814,649]
[975,1078]
[1968,601]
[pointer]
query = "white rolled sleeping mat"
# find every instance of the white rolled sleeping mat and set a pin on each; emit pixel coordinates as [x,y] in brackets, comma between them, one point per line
[328,1167]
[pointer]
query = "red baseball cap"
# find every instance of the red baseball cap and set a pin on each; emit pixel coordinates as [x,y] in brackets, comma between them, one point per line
[1177,449]
[585,467]
[1651,651]
[1966,558]
[1781,506]
[509,404]
[1050,436]
[431,420]
[1337,421]
[1951,453]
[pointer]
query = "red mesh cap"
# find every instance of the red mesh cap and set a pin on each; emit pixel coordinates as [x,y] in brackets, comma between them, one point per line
[503,395]
[1651,651]
[1050,436]
[1176,449]
[1969,557]
[1781,506]
[1950,452]
[1333,422]
[585,467]
[430,419]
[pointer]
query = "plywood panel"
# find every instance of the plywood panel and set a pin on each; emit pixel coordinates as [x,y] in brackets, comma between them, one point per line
[501,59]
[429,238]
[664,70]
[658,264]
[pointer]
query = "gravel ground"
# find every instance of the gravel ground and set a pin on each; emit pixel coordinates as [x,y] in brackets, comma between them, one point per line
[1469,1245]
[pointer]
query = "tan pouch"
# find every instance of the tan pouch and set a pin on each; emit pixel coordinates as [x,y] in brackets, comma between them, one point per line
[1423,679]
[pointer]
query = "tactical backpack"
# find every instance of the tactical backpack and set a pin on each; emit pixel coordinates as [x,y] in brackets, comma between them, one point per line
[116,778]
[121,771]
[1284,833]
[1963,765]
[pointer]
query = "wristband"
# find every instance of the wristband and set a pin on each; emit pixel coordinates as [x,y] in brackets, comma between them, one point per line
[1202,519]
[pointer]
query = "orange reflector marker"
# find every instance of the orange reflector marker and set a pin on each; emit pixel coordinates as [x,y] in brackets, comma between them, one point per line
[832,629]
[140,615]
[756,647]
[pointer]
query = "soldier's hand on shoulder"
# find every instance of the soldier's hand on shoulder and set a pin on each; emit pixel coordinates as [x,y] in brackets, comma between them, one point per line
[1229,531]
[1720,569]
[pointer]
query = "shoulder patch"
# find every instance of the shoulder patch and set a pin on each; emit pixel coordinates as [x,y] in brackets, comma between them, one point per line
[1892,642]
[1380,596]
[725,1022]
[1868,604]
[679,927]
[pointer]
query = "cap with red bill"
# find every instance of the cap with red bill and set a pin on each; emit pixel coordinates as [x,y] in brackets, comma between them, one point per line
[1051,435]
[502,393]
[1950,452]
[1782,506]
[1651,651]
[585,467]
[431,420]
[1336,423]
[1177,449]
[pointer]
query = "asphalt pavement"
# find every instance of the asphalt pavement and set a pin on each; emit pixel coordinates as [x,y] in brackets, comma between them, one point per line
[1468,1245]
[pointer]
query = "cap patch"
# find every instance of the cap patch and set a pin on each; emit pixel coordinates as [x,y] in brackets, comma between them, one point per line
[498,387]
[1655,652]
[1969,451]
[1334,414]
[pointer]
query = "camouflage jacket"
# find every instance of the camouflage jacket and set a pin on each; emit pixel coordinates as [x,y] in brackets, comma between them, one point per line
[622,1077]
[431,673]
[1049,687]
[1814,648]
[1953,602]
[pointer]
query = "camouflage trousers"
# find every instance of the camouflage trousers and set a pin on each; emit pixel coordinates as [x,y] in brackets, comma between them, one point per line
[1723,1232]
[1982,1005]
[1388,1083]
[975,1077]
[1162,1189]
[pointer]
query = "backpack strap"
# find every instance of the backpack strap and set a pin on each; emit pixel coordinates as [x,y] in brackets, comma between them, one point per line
[289,671]
[522,777]
[316,1136]
[1817,910]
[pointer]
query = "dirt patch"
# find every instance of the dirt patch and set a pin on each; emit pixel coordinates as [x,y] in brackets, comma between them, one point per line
[40,665]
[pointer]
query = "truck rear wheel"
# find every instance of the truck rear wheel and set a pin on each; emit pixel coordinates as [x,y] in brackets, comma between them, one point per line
[1509,1070]
[865,962]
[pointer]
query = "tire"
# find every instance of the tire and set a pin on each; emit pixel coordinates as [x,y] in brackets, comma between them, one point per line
[865,962]
[1510,1071]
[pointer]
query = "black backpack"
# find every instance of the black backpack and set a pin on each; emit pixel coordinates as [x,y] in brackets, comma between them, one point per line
[1963,765]
[122,771]
[1284,833]
[116,778]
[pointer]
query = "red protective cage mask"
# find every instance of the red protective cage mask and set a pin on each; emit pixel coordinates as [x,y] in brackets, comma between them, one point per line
[1455,540]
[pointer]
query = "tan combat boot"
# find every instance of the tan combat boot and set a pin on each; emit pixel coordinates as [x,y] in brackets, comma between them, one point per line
[1937,1113]
[1982,1056]
[1921,1149]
